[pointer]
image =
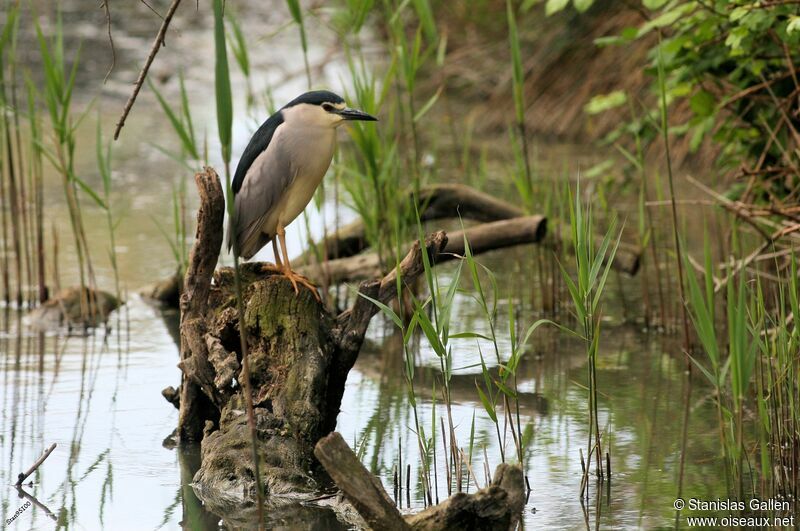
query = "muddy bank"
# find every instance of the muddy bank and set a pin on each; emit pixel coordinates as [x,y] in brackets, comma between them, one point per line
[563,69]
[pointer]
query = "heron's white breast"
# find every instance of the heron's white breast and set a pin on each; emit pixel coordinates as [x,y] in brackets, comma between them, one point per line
[311,150]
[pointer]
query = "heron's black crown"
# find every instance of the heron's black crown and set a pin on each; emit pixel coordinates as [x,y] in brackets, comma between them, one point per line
[315,97]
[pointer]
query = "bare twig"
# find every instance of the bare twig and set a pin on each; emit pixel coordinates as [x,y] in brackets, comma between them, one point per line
[110,40]
[24,475]
[151,8]
[741,264]
[157,43]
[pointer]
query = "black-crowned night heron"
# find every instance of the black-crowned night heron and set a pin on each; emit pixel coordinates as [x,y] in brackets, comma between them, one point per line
[279,171]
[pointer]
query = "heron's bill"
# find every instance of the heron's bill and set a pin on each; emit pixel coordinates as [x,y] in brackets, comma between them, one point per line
[355,114]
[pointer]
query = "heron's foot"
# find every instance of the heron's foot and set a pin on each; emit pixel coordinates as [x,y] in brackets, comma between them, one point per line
[297,278]
[266,267]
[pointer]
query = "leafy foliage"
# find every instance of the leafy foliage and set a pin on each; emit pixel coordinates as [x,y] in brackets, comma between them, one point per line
[734,63]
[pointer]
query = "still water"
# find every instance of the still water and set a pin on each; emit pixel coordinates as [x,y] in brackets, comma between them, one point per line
[99,398]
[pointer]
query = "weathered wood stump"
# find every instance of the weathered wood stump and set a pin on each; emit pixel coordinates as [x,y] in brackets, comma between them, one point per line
[299,356]
[74,308]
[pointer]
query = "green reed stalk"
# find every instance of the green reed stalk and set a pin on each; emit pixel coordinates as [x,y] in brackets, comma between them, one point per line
[27,237]
[11,169]
[374,186]
[646,232]
[438,334]
[407,331]
[518,84]
[104,168]
[297,15]
[701,311]
[58,87]
[586,290]
[741,356]
[224,127]
[238,46]
[181,122]
[37,185]
[676,240]
[674,210]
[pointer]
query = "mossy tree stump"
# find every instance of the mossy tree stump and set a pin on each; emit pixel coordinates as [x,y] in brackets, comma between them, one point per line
[299,354]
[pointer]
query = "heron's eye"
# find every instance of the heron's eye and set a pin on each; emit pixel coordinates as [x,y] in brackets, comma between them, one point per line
[327,106]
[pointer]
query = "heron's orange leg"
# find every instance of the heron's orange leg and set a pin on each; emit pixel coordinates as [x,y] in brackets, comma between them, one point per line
[293,277]
[277,267]
[277,254]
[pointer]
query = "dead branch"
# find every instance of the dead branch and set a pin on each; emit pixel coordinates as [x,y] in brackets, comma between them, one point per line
[24,475]
[453,201]
[198,374]
[744,213]
[362,489]
[497,507]
[157,43]
[482,238]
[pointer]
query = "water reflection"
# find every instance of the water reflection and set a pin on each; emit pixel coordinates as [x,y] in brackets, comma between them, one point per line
[98,397]
[641,389]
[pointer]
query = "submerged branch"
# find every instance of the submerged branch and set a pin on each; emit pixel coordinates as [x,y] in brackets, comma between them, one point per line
[24,475]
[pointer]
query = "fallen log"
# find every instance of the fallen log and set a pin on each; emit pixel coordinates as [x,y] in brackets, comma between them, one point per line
[497,507]
[452,201]
[438,202]
[363,490]
[482,238]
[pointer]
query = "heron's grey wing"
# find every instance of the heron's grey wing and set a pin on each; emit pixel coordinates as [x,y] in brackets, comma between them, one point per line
[263,186]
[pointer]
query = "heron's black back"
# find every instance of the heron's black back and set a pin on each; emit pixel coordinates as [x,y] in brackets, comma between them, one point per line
[257,144]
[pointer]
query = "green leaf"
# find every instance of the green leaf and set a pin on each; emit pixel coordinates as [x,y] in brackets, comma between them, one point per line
[222,83]
[735,38]
[487,405]
[428,104]
[793,25]
[667,18]
[88,189]
[703,103]
[554,6]
[239,45]
[294,9]
[429,330]
[425,14]
[582,5]
[177,125]
[385,309]
[510,393]
[470,335]
[609,261]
